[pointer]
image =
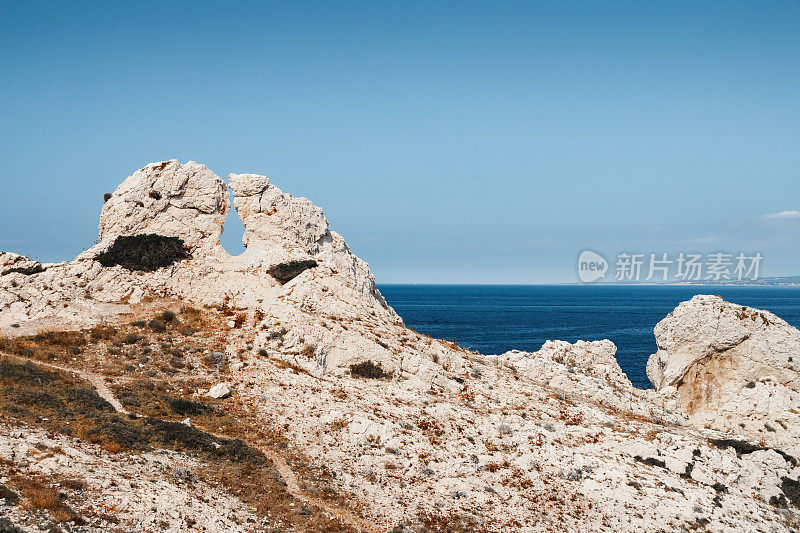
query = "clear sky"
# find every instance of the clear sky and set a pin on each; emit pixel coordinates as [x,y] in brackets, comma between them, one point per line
[485,142]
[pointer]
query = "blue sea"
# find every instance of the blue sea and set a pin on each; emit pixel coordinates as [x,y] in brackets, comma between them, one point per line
[496,318]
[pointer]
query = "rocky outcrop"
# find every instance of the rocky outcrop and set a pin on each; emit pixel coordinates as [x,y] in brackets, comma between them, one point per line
[295,270]
[556,439]
[274,220]
[167,198]
[588,369]
[18,264]
[732,368]
[281,229]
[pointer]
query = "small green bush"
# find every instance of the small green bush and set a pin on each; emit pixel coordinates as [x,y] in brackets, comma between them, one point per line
[8,495]
[146,252]
[368,369]
[157,326]
[285,272]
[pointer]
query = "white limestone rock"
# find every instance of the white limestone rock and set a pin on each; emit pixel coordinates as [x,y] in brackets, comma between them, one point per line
[273,219]
[589,369]
[556,439]
[167,198]
[11,263]
[189,201]
[140,489]
[731,368]
[219,391]
[279,227]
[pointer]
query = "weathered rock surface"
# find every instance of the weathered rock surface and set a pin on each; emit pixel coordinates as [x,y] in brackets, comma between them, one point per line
[219,391]
[274,220]
[191,202]
[18,264]
[589,369]
[279,228]
[167,198]
[139,491]
[732,368]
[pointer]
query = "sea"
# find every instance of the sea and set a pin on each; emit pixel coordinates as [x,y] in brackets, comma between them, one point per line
[493,319]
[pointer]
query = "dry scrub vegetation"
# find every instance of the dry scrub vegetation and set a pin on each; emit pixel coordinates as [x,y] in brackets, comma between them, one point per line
[160,368]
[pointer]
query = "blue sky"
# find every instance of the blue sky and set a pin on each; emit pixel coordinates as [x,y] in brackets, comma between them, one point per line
[483,142]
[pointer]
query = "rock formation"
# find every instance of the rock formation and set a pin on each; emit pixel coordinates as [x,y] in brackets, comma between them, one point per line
[167,198]
[281,231]
[273,220]
[589,369]
[11,263]
[732,368]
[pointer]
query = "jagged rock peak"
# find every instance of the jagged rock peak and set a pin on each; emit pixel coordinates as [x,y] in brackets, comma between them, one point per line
[291,254]
[272,218]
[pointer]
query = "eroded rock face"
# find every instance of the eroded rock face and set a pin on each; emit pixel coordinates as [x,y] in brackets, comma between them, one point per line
[595,358]
[273,219]
[282,234]
[11,263]
[731,367]
[521,441]
[280,229]
[589,369]
[167,198]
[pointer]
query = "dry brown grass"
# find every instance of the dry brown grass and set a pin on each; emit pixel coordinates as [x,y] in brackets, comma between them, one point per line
[60,338]
[242,479]
[308,351]
[112,447]
[50,399]
[39,493]
[281,363]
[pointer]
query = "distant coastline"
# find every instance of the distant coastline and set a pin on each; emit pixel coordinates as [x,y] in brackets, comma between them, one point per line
[775,281]
[789,282]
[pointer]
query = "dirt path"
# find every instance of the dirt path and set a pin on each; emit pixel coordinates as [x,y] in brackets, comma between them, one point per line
[96,380]
[344,515]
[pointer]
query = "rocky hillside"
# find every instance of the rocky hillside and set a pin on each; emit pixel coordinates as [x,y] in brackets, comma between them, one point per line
[157,383]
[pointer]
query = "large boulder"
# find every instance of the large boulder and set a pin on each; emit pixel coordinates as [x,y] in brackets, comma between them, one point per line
[166,198]
[732,368]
